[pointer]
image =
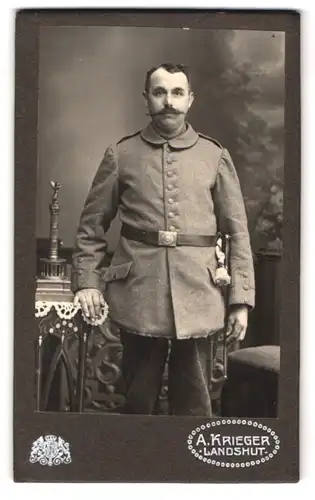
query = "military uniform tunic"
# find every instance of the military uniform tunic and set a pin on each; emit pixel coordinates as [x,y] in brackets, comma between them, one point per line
[189,185]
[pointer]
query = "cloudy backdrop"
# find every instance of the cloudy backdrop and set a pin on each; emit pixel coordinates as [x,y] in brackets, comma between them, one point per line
[90,94]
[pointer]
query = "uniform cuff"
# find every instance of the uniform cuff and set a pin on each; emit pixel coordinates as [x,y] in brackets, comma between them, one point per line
[242,296]
[83,279]
[242,289]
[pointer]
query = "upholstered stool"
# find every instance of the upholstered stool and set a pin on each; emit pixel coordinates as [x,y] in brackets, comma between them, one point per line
[252,385]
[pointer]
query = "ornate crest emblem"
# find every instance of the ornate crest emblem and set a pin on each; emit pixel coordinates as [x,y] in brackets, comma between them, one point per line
[51,450]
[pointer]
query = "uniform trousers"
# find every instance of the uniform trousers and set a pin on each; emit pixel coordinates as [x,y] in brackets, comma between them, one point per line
[190,364]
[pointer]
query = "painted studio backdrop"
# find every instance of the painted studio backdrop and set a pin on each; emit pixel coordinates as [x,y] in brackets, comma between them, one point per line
[90,95]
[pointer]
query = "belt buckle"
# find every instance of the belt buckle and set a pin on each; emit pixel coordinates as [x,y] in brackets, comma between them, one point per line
[167,238]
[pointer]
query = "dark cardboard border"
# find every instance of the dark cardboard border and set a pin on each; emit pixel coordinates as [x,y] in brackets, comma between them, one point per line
[107,448]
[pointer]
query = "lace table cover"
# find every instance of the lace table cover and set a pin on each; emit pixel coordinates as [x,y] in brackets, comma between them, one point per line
[67,310]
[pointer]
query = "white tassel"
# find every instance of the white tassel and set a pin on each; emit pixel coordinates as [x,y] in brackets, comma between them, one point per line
[222,277]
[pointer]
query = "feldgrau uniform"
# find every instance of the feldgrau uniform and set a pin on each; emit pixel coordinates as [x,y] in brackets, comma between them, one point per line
[172,197]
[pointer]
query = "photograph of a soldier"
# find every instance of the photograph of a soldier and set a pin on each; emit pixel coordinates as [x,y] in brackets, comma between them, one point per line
[163,140]
[174,188]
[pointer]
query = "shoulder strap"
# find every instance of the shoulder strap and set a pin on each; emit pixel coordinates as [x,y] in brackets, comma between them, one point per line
[211,139]
[128,137]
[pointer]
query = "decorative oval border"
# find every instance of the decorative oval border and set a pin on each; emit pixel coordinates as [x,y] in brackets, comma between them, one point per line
[234,421]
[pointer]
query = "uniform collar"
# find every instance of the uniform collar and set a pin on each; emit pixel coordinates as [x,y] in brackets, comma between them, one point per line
[185,140]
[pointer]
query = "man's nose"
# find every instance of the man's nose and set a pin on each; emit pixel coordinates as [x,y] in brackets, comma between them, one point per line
[168,100]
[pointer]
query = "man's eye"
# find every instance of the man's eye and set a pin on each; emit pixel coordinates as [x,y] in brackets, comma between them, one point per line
[158,93]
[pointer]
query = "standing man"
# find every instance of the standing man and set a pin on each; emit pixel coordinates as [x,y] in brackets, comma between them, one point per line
[174,189]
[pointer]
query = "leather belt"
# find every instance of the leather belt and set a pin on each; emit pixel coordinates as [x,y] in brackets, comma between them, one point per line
[167,238]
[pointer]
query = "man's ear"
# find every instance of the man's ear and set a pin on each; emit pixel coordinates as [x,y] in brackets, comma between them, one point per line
[145,97]
[191,98]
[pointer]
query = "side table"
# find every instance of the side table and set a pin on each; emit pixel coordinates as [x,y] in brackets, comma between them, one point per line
[61,349]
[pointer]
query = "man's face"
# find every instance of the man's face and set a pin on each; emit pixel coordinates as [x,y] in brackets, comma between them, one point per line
[168,99]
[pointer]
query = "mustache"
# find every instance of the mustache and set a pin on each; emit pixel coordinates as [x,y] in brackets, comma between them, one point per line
[166,111]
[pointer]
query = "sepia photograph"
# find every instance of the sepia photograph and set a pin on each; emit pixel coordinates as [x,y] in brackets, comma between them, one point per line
[157,247]
[159,217]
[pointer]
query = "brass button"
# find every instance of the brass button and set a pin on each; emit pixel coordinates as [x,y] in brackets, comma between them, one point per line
[171,201]
[173,228]
[170,174]
[171,215]
[245,274]
[170,187]
[169,160]
[245,287]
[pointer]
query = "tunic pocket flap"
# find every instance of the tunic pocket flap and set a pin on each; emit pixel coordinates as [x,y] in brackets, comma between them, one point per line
[117,272]
[212,272]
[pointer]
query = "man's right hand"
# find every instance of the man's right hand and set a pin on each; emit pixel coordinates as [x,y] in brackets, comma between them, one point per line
[91,300]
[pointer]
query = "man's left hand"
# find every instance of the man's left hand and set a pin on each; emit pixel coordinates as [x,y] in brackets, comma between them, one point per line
[237,323]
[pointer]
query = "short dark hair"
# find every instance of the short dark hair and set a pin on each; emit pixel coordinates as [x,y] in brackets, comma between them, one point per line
[171,68]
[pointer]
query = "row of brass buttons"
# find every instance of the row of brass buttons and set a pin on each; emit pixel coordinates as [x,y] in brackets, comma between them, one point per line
[171,201]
